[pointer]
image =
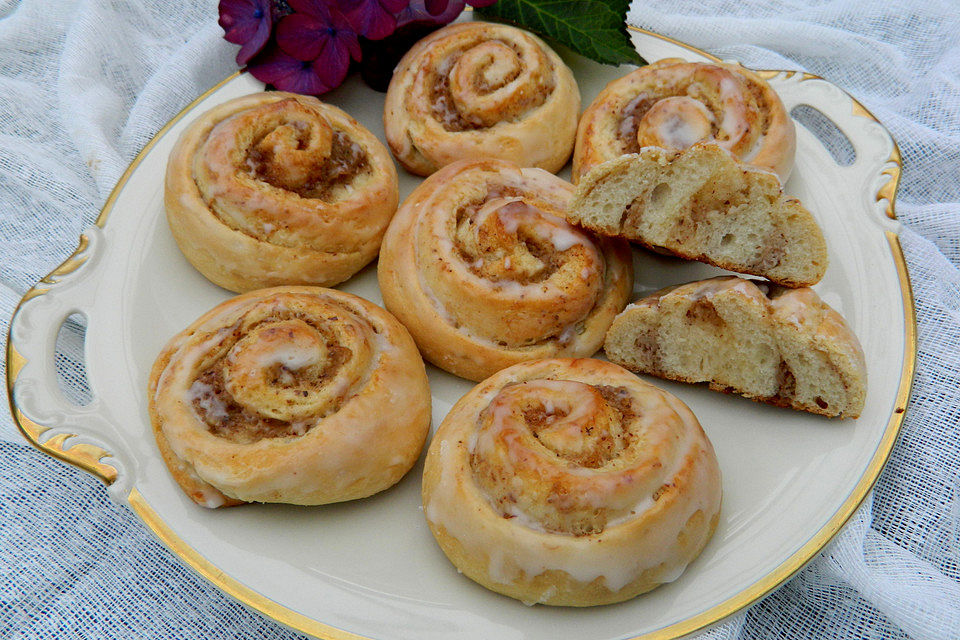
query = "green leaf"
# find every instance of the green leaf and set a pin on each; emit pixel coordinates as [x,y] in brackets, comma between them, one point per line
[594,28]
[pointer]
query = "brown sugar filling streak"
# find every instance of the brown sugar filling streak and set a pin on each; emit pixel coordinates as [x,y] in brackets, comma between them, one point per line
[224,417]
[481,263]
[347,161]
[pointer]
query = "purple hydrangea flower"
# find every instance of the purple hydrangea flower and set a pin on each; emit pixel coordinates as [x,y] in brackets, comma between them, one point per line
[374,19]
[314,47]
[308,46]
[247,23]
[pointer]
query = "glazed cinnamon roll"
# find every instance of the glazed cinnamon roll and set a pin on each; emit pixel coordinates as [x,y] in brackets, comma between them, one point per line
[300,395]
[275,188]
[479,90]
[674,104]
[481,267]
[570,482]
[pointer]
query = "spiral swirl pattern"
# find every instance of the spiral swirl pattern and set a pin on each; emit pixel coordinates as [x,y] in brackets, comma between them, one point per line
[570,482]
[294,394]
[273,189]
[674,104]
[481,90]
[481,267]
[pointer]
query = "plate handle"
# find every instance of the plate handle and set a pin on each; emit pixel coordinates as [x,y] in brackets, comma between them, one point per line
[80,435]
[869,138]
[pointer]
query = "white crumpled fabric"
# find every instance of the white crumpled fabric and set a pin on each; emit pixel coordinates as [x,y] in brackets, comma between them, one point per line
[85,84]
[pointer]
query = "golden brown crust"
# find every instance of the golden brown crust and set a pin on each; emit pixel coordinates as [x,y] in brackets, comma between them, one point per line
[483,271]
[275,188]
[673,104]
[808,357]
[293,394]
[203,493]
[570,482]
[480,90]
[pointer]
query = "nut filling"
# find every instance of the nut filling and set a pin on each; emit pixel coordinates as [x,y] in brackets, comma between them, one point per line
[630,119]
[226,417]
[490,254]
[347,161]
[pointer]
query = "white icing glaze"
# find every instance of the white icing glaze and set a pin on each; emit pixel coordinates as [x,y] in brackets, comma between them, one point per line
[383,344]
[746,287]
[734,123]
[289,356]
[211,499]
[675,122]
[567,335]
[515,212]
[680,133]
[203,395]
[299,427]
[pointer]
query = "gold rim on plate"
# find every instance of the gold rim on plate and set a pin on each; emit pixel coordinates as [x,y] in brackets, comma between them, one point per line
[90,458]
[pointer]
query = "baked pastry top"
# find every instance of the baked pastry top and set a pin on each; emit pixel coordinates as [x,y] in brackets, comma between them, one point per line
[570,482]
[482,269]
[275,188]
[479,90]
[300,395]
[674,104]
[780,346]
[702,204]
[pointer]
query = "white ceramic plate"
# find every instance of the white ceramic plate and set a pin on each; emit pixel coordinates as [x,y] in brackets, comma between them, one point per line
[370,567]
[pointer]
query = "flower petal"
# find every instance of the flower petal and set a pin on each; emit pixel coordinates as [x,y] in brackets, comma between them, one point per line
[436,7]
[241,19]
[394,6]
[345,33]
[371,20]
[316,8]
[481,3]
[332,64]
[253,46]
[287,73]
[303,36]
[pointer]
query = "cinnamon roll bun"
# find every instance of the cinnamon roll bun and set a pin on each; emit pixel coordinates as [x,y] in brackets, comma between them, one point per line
[275,188]
[300,395]
[480,90]
[570,482]
[674,104]
[785,347]
[481,267]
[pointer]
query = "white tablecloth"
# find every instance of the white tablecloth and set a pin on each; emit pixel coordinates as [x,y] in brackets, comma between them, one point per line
[84,84]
